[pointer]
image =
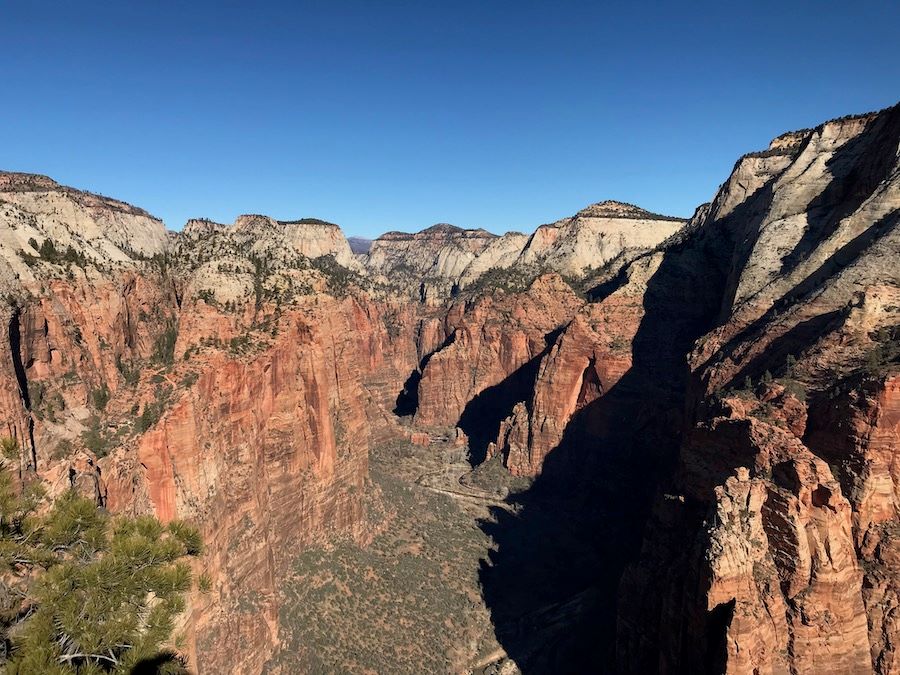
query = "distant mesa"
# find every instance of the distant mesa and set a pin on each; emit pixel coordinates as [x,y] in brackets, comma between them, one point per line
[431,262]
[359,245]
[15,181]
[438,231]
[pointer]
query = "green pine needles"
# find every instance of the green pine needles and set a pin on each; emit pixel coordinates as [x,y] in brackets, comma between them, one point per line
[82,591]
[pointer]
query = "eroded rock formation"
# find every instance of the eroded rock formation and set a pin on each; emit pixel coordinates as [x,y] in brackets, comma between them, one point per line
[214,379]
[444,258]
[777,577]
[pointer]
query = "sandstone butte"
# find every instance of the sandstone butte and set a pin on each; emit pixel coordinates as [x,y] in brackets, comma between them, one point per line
[736,374]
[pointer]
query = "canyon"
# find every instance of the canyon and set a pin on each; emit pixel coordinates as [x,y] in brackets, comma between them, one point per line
[625,442]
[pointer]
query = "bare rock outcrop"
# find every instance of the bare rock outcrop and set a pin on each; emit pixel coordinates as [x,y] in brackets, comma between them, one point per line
[744,372]
[265,452]
[595,236]
[442,259]
[789,425]
[490,357]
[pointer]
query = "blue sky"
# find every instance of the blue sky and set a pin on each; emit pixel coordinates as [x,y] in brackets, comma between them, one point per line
[384,115]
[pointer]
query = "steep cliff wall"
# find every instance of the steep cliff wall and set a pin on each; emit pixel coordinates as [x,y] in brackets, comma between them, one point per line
[738,385]
[788,425]
[202,385]
[265,452]
[490,357]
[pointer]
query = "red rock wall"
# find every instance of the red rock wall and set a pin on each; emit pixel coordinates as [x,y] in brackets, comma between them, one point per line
[264,451]
[492,339]
[858,433]
[65,342]
[585,361]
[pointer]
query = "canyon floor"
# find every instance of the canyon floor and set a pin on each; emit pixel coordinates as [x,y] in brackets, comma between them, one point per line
[410,597]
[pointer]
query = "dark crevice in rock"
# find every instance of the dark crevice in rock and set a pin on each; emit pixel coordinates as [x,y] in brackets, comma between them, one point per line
[717,622]
[15,349]
[15,346]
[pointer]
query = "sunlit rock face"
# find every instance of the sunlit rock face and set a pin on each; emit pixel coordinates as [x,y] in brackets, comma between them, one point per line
[176,374]
[491,340]
[595,236]
[445,259]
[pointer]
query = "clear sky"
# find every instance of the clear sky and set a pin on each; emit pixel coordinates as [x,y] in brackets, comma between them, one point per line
[382,114]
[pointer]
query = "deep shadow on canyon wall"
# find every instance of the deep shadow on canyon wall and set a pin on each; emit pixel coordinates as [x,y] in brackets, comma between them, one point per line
[483,415]
[559,560]
[552,584]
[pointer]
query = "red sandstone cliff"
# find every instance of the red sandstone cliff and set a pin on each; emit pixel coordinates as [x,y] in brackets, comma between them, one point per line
[748,368]
[489,339]
[265,452]
[248,412]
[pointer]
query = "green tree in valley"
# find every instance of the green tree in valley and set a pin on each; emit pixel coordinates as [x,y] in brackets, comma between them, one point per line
[85,592]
